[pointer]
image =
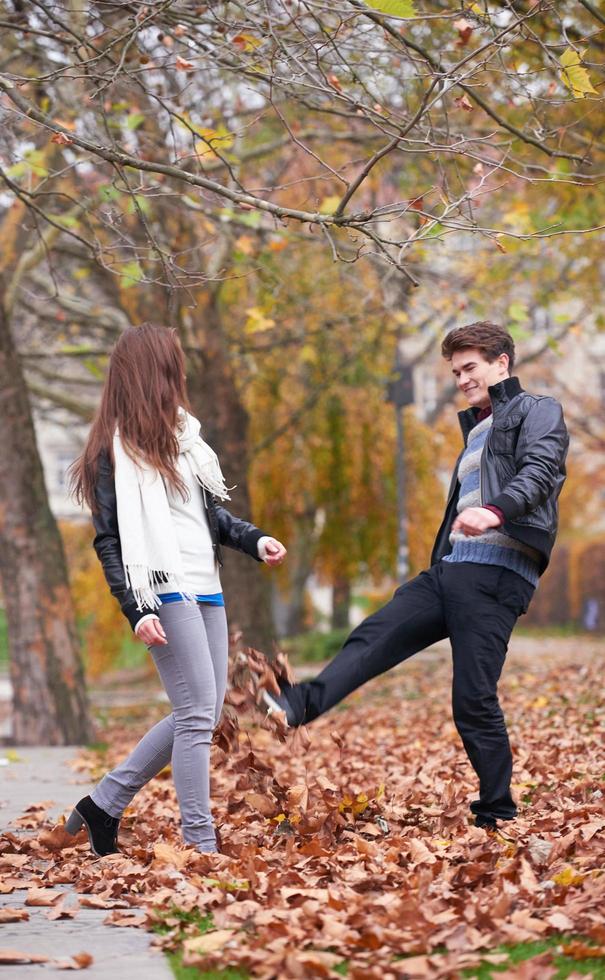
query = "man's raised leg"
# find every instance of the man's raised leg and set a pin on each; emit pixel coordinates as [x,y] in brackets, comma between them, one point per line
[411,621]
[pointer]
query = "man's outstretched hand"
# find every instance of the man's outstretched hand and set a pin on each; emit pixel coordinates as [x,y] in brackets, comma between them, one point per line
[475,520]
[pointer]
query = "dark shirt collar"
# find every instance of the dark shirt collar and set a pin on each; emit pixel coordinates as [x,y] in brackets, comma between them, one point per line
[499,394]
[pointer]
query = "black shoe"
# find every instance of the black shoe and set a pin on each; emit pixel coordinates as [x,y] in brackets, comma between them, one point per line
[102,828]
[279,702]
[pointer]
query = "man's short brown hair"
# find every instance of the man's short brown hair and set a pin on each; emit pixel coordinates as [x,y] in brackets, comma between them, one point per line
[488,338]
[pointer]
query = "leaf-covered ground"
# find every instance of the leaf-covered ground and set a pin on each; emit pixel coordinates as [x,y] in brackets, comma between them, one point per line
[351,851]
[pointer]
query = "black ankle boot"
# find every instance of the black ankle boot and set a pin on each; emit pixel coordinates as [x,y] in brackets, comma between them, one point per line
[102,828]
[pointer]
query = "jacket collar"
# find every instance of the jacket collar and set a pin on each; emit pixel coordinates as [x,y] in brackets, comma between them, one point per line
[500,395]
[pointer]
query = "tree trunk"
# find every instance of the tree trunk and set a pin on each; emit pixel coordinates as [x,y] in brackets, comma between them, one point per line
[298,571]
[215,400]
[341,601]
[49,694]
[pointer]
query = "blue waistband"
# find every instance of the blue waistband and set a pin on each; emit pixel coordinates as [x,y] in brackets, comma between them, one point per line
[211,600]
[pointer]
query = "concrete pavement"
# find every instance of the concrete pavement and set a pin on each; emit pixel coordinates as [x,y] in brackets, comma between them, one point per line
[35,775]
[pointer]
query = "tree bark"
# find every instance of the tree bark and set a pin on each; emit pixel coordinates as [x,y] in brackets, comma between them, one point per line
[216,401]
[49,695]
[341,601]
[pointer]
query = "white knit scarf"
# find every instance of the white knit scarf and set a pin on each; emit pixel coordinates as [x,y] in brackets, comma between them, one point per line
[147,534]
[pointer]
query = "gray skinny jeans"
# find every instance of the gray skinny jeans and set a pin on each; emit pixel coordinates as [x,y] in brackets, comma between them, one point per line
[193,670]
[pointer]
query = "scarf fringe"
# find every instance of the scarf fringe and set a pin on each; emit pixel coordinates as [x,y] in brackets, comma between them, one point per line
[143,583]
[216,489]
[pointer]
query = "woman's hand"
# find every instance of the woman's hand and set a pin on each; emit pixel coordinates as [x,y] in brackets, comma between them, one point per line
[151,632]
[272,551]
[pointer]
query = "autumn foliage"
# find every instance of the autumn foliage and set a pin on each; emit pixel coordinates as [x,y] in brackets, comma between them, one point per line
[101,621]
[351,843]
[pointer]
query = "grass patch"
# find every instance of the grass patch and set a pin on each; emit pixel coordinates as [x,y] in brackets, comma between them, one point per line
[192,973]
[178,917]
[314,647]
[521,952]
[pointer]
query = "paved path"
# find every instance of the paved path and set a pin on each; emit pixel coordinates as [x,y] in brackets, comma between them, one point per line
[118,953]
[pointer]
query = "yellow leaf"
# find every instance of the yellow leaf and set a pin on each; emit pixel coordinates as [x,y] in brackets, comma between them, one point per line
[247,42]
[574,75]
[212,139]
[393,8]
[309,354]
[329,204]
[257,321]
[540,702]
[568,877]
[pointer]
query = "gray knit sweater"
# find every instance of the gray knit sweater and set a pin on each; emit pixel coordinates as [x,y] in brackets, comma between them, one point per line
[493,547]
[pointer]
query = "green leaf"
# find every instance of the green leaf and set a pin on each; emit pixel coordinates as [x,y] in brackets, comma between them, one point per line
[518,312]
[93,368]
[251,219]
[17,170]
[574,75]
[65,220]
[141,201]
[393,8]
[134,120]
[132,273]
[109,193]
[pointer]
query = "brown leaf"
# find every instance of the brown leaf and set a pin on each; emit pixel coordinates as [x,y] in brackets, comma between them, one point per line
[463,102]
[78,962]
[61,912]
[13,915]
[96,902]
[119,918]
[465,29]
[582,951]
[166,854]
[43,897]
[209,942]
[15,956]
[62,139]
[13,860]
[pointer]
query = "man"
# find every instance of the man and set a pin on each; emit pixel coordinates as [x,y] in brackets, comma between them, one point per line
[495,541]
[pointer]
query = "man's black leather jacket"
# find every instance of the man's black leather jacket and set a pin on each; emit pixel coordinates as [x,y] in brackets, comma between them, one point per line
[522,467]
[224,529]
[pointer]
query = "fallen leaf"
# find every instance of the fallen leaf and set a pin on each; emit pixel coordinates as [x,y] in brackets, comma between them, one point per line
[209,942]
[13,915]
[43,897]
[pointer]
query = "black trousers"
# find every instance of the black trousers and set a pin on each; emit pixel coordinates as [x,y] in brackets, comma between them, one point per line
[476,606]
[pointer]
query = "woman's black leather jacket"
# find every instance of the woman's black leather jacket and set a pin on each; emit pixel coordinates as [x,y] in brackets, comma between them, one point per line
[225,529]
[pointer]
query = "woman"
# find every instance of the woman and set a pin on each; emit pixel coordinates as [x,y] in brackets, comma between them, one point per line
[151,483]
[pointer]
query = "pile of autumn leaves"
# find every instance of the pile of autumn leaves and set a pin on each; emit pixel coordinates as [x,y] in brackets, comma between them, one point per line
[351,841]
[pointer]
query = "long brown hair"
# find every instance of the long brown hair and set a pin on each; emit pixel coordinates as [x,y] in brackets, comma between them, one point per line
[144,387]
